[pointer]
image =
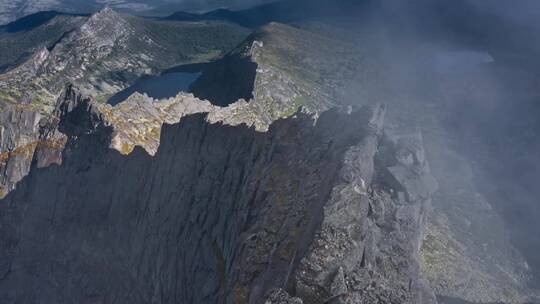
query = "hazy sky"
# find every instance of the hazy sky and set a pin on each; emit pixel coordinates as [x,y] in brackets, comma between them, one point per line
[525,11]
[519,10]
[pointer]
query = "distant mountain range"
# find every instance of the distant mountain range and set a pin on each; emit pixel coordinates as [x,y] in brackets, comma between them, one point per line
[11,10]
[137,46]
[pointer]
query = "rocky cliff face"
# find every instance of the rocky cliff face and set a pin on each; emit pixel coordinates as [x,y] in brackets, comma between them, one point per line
[18,133]
[320,211]
[101,54]
[26,136]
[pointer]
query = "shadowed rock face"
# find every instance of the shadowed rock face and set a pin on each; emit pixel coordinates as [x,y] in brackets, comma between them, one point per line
[226,81]
[220,214]
[18,137]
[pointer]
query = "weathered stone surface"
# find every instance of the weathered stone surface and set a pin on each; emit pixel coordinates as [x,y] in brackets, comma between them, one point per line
[279,296]
[367,249]
[19,131]
[28,136]
[220,214]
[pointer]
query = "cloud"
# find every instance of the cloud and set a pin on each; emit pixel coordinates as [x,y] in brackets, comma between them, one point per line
[521,11]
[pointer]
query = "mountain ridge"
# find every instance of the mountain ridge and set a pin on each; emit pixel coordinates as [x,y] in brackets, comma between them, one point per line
[228,244]
[374,236]
[133,47]
[34,20]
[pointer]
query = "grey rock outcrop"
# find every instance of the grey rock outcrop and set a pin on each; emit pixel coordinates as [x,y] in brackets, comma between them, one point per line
[279,296]
[28,136]
[19,132]
[367,249]
[220,214]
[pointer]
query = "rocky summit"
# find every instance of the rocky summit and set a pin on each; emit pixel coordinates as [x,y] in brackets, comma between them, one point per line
[321,154]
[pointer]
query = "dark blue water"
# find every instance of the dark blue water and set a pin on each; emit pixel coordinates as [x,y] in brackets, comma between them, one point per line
[159,87]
